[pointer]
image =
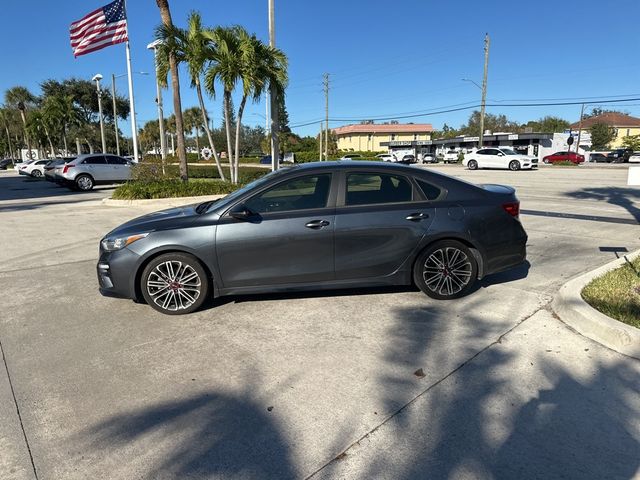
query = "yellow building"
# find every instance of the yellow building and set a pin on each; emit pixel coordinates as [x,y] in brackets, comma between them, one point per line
[624,125]
[367,138]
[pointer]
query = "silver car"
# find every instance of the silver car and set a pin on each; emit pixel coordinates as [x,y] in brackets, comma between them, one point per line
[92,169]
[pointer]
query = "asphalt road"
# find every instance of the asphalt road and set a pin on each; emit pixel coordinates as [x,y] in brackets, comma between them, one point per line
[292,386]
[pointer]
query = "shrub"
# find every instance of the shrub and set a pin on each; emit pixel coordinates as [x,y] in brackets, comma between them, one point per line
[137,190]
[564,163]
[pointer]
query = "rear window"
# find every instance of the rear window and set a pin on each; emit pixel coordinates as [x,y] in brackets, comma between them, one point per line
[94,161]
[373,188]
[113,160]
[431,192]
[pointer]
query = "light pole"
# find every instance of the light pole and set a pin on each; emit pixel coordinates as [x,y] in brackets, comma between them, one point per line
[484,87]
[275,147]
[96,78]
[115,113]
[163,143]
[481,110]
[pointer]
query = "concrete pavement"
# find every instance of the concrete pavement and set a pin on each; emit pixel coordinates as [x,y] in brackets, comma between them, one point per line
[278,386]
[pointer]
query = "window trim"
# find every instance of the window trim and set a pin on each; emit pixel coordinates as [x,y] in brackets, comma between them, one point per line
[342,188]
[443,191]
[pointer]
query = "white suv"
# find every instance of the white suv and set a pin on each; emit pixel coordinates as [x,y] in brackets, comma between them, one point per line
[499,158]
[86,171]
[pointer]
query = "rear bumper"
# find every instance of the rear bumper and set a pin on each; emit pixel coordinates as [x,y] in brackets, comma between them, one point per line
[507,255]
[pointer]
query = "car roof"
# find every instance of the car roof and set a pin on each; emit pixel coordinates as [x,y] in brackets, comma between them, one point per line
[347,164]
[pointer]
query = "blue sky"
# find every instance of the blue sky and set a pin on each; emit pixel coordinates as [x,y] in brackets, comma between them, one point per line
[385,58]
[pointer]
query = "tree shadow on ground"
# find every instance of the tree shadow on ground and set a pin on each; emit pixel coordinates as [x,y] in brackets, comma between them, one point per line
[481,422]
[204,435]
[619,196]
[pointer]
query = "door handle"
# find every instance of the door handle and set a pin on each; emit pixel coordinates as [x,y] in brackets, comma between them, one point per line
[416,217]
[317,224]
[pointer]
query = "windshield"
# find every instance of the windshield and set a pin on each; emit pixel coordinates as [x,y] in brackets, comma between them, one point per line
[241,191]
[508,151]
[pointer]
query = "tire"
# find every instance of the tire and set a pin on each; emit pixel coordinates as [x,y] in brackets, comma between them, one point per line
[472,165]
[84,183]
[514,165]
[174,284]
[36,174]
[432,272]
[545,161]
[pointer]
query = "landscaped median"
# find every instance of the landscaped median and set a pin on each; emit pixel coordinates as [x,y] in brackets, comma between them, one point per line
[614,290]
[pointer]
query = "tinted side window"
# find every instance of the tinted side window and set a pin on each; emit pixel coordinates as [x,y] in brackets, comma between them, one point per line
[431,192]
[368,188]
[300,193]
[113,160]
[97,160]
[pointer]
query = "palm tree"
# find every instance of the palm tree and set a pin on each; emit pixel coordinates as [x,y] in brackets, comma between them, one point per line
[20,98]
[4,119]
[239,57]
[63,112]
[192,121]
[171,49]
[193,47]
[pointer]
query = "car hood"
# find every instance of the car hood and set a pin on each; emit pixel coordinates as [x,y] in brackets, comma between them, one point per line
[162,220]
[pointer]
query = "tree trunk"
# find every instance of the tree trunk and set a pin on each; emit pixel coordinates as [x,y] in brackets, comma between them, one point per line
[238,132]
[64,140]
[198,141]
[9,143]
[89,144]
[26,135]
[227,121]
[53,150]
[165,14]
[206,129]
[78,146]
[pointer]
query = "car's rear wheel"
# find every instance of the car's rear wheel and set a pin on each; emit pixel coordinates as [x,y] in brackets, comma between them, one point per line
[84,183]
[36,173]
[445,270]
[174,283]
[472,165]
[514,165]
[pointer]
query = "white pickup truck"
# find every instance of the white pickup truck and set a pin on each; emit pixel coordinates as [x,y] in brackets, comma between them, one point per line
[451,157]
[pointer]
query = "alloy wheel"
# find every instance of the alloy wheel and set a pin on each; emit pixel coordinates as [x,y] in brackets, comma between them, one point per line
[174,285]
[84,183]
[514,165]
[447,271]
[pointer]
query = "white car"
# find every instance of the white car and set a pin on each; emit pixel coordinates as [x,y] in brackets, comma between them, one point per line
[34,168]
[635,158]
[451,157]
[499,158]
[385,157]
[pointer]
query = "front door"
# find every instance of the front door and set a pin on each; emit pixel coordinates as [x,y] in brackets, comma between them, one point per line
[379,224]
[287,239]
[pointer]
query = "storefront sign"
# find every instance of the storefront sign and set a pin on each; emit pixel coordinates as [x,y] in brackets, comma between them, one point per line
[400,143]
[513,136]
[471,139]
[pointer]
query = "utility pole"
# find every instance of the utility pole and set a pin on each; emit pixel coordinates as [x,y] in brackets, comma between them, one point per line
[320,140]
[275,147]
[484,87]
[163,140]
[115,113]
[579,128]
[326,112]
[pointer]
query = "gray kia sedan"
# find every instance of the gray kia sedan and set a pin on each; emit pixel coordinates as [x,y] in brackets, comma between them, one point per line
[318,226]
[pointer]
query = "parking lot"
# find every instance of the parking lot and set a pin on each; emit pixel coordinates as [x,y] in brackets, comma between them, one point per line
[379,383]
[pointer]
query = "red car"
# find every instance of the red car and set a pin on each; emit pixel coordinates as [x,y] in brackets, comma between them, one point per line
[564,157]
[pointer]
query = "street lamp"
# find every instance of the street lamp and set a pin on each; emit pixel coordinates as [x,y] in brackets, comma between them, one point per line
[163,146]
[115,113]
[471,81]
[96,78]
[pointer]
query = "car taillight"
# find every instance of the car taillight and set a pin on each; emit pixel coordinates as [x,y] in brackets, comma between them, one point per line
[67,167]
[512,208]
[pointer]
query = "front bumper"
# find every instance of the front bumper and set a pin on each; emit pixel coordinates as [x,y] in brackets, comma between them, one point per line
[117,273]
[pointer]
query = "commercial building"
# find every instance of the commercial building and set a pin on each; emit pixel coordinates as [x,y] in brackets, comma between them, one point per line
[624,125]
[535,144]
[370,137]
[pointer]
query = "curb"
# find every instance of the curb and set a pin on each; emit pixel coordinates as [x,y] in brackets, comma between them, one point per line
[160,202]
[586,320]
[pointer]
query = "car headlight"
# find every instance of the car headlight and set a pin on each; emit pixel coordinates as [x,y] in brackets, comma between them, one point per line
[117,243]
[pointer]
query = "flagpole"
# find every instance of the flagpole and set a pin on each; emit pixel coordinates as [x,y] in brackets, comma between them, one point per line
[132,107]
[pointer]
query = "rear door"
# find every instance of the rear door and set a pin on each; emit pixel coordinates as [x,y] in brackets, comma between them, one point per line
[96,166]
[380,220]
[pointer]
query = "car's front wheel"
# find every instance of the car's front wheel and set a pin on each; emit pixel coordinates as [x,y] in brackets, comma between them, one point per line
[514,165]
[472,165]
[445,270]
[174,283]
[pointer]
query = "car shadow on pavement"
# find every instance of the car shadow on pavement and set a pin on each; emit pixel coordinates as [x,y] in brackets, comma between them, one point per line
[202,435]
[619,196]
[26,188]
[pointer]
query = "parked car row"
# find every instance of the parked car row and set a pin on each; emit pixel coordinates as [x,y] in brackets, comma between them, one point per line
[82,172]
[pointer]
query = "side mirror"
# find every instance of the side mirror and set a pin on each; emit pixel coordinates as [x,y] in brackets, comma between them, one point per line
[501,154]
[241,212]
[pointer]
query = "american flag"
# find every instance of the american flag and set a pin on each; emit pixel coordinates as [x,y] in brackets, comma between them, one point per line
[99,29]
